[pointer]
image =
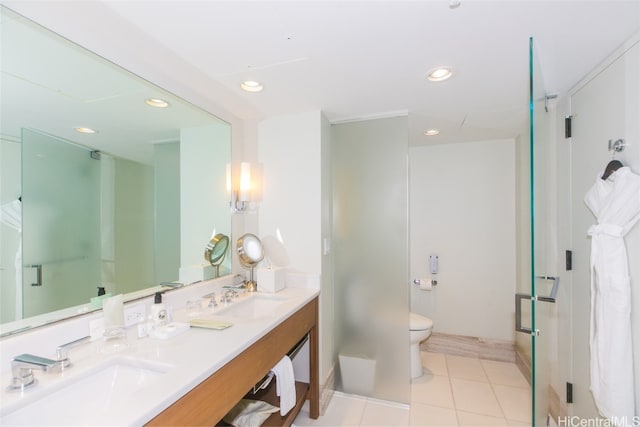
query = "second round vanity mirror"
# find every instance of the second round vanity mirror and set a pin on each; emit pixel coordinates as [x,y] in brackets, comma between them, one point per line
[216,250]
[250,253]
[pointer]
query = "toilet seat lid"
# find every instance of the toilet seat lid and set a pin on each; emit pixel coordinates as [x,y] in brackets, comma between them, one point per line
[419,323]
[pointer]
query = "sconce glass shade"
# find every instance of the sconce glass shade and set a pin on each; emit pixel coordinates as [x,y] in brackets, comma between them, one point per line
[245,181]
[240,187]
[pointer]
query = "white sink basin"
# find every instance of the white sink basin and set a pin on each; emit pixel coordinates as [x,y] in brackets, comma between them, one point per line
[252,307]
[84,399]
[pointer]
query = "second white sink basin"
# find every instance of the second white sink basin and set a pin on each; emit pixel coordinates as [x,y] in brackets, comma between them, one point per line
[82,400]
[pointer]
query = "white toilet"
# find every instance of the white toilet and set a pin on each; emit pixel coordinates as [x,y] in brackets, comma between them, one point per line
[419,330]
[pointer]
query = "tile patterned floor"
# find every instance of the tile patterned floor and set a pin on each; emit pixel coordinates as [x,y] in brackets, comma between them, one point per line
[455,391]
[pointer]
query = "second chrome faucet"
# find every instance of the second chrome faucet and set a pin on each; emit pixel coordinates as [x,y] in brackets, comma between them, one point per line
[22,366]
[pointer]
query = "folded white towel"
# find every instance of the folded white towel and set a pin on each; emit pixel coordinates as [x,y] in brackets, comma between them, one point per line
[249,413]
[285,384]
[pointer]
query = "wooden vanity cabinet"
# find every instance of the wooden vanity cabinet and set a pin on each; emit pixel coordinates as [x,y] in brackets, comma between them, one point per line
[210,400]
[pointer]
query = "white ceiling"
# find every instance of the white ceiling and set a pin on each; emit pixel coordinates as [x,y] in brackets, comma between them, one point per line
[360,59]
[357,59]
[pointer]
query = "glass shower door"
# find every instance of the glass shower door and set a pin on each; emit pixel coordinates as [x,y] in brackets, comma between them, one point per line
[544,283]
[61,223]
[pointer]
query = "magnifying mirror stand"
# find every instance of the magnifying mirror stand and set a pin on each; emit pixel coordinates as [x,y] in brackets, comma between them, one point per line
[251,285]
[216,250]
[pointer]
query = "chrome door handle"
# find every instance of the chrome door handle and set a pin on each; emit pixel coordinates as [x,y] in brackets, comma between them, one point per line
[554,288]
[519,297]
[38,268]
[519,327]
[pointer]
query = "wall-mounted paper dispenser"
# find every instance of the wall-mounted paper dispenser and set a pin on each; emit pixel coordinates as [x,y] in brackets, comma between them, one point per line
[433,264]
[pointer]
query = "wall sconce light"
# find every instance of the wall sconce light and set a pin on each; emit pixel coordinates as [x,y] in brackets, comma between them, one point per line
[240,195]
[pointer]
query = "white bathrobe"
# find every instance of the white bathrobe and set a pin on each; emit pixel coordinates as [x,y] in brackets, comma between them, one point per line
[615,203]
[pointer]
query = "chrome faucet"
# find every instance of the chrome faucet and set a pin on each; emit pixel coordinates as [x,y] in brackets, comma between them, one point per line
[62,351]
[229,296]
[22,369]
[22,366]
[241,284]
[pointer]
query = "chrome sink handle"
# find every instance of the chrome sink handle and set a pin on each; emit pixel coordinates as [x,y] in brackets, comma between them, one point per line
[62,351]
[22,366]
[22,369]
[228,296]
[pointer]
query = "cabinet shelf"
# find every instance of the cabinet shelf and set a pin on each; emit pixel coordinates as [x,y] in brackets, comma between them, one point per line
[269,395]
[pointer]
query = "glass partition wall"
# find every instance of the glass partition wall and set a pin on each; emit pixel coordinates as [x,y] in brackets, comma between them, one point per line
[543,281]
[74,240]
[61,219]
[370,242]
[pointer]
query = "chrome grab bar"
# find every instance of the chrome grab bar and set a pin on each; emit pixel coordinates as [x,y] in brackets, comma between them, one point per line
[551,298]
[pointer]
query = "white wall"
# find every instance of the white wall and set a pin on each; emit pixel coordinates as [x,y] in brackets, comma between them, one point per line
[462,208]
[133,228]
[166,188]
[523,236]
[204,153]
[605,105]
[632,158]
[561,345]
[327,315]
[296,196]
[289,149]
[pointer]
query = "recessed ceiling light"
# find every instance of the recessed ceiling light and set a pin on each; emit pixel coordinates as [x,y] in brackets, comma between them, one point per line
[439,74]
[431,132]
[251,86]
[156,102]
[84,130]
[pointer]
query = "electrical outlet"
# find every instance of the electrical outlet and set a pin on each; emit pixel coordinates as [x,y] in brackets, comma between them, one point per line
[133,314]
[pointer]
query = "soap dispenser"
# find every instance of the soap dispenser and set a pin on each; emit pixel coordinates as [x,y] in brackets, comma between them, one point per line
[158,311]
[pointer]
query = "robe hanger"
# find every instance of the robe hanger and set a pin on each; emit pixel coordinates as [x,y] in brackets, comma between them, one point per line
[613,166]
[614,146]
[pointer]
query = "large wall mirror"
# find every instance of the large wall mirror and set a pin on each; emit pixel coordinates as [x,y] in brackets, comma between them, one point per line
[121,208]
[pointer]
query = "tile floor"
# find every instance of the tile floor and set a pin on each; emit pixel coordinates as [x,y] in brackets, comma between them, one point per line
[455,391]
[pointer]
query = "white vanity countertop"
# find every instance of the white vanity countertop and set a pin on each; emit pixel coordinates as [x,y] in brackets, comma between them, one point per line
[188,359]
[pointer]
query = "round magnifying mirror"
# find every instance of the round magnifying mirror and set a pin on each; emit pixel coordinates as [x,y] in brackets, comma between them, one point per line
[216,250]
[250,253]
[250,250]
